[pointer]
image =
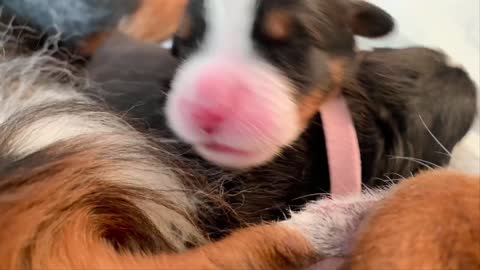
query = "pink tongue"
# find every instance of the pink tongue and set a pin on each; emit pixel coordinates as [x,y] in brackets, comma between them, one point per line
[343,151]
[344,159]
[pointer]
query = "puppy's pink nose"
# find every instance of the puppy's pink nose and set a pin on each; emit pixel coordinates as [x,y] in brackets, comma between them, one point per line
[207,119]
[217,97]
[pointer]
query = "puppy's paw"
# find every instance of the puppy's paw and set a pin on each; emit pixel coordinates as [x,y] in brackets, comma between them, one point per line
[331,224]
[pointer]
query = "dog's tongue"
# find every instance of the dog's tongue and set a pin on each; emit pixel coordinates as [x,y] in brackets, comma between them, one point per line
[343,150]
[344,159]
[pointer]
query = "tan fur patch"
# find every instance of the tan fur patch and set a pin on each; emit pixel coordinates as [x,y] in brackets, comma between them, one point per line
[309,105]
[89,46]
[337,71]
[278,25]
[155,21]
[40,206]
[255,248]
[185,28]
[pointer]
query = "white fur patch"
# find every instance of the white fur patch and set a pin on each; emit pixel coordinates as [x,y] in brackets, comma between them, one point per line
[330,224]
[61,127]
[230,24]
[42,132]
[31,82]
[26,86]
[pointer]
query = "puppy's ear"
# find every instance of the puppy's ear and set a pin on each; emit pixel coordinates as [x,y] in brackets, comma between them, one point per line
[368,20]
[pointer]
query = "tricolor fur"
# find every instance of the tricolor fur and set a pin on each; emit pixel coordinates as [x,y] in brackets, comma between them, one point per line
[81,189]
[253,74]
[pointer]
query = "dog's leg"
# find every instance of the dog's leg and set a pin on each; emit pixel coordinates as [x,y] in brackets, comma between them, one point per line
[429,222]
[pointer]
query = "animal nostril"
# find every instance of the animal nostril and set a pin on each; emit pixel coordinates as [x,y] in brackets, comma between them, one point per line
[208,120]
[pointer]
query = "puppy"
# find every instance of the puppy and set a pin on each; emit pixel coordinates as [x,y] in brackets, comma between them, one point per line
[254,73]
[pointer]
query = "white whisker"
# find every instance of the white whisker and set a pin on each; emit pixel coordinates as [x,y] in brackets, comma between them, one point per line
[433,136]
[422,162]
[312,195]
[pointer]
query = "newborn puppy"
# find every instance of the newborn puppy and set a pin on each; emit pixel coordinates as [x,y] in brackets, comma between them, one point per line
[254,74]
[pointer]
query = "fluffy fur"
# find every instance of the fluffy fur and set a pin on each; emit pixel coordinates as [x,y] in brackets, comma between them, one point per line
[99,194]
[104,196]
[400,228]
[80,188]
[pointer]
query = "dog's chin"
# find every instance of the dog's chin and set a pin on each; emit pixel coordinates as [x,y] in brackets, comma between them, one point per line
[235,158]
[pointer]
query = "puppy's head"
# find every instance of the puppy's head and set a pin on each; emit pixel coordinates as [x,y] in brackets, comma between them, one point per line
[254,72]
